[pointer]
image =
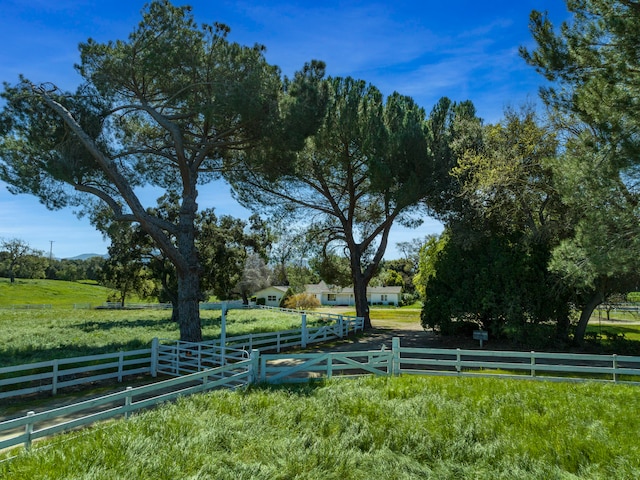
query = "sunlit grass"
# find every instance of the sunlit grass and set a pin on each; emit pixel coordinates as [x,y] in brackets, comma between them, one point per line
[39,335]
[390,316]
[57,293]
[397,428]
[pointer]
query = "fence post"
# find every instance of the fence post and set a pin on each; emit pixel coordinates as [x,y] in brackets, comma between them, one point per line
[223,333]
[155,347]
[458,361]
[127,403]
[120,365]
[533,364]
[263,369]
[395,356]
[254,357]
[340,326]
[28,429]
[54,378]
[304,336]
[615,368]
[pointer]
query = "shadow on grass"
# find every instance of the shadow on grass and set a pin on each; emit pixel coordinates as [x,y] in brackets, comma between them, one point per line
[93,325]
[20,356]
[306,389]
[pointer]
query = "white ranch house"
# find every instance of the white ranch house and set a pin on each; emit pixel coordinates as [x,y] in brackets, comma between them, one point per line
[333,295]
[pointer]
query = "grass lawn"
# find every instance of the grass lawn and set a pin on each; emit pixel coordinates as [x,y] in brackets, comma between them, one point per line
[33,335]
[57,293]
[392,428]
[391,317]
[38,335]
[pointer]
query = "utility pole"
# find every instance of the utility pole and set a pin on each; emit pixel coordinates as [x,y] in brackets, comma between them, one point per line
[51,251]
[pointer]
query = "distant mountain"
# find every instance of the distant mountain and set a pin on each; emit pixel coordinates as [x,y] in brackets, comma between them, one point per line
[84,256]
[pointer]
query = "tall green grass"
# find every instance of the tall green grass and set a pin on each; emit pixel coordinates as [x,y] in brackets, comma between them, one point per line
[391,428]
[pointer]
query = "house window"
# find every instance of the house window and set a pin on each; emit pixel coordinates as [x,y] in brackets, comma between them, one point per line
[331,297]
[271,298]
[384,297]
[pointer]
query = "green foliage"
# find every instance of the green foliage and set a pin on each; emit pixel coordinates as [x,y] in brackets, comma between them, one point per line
[594,63]
[432,427]
[633,297]
[367,167]
[428,257]
[491,265]
[171,107]
[332,269]
[75,270]
[496,283]
[18,259]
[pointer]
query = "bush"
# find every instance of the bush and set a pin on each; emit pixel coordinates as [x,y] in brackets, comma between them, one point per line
[287,295]
[302,301]
[261,301]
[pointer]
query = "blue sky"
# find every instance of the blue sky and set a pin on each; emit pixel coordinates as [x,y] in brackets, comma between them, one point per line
[424,49]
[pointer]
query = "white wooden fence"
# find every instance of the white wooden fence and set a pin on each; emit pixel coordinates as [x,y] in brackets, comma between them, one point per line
[18,380]
[168,357]
[284,368]
[25,429]
[302,367]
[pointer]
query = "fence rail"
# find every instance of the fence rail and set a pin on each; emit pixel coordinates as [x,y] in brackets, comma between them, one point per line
[28,306]
[50,376]
[301,367]
[169,357]
[25,429]
[615,368]
[183,358]
[345,325]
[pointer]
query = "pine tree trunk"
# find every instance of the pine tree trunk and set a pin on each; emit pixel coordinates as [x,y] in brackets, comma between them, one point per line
[360,293]
[585,315]
[362,305]
[188,306]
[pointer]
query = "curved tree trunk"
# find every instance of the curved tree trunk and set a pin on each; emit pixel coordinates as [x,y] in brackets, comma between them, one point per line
[360,283]
[596,299]
[360,299]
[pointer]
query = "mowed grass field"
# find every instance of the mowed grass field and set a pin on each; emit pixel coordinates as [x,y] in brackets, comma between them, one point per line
[389,428]
[56,293]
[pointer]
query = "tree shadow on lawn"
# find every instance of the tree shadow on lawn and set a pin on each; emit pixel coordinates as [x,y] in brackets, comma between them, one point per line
[97,325]
[33,354]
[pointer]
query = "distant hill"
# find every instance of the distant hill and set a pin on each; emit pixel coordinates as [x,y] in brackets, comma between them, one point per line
[51,292]
[84,256]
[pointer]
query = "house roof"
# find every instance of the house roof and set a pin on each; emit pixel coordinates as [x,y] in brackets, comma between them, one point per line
[281,288]
[322,287]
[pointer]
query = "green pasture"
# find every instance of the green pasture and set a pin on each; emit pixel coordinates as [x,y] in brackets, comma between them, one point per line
[39,335]
[374,427]
[56,293]
[389,317]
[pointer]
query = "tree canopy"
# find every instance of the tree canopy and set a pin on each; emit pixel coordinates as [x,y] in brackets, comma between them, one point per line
[490,267]
[593,62]
[368,166]
[169,107]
